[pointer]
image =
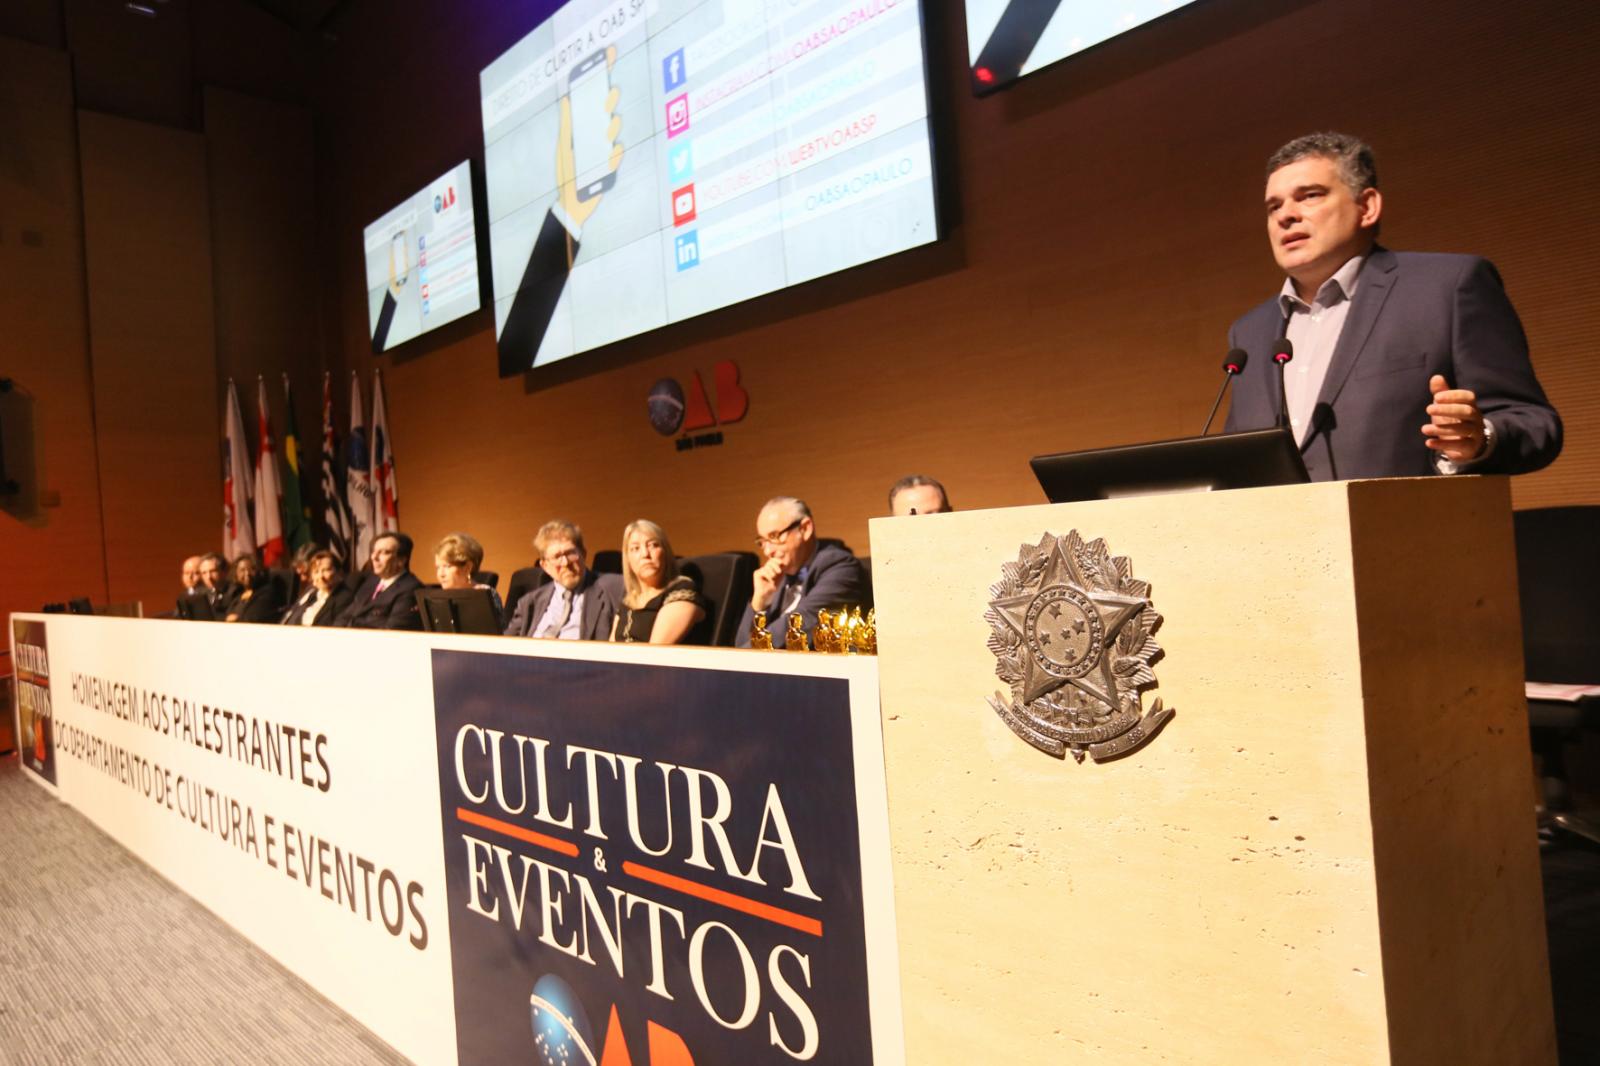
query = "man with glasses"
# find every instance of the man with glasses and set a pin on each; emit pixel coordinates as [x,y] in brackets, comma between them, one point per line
[576,603]
[801,575]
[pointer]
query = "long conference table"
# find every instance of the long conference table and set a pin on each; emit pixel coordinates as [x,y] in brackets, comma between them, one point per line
[1121,786]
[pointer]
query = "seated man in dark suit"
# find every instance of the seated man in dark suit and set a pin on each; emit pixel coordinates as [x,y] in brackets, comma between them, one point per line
[802,575]
[576,603]
[387,598]
[193,590]
[210,599]
[1405,364]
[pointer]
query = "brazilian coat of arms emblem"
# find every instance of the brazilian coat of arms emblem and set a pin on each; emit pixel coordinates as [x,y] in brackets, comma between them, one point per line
[1071,630]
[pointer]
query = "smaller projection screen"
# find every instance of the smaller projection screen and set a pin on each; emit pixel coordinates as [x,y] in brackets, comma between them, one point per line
[422,262]
[647,161]
[1009,38]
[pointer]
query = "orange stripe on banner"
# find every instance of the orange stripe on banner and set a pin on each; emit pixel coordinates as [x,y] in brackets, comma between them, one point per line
[727,899]
[484,821]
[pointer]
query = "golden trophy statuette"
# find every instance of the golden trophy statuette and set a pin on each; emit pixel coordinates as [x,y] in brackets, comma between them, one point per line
[825,638]
[795,638]
[760,636]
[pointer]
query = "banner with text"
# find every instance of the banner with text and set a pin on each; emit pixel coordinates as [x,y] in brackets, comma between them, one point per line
[650,856]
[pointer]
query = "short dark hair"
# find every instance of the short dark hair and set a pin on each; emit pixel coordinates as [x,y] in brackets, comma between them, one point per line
[402,543]
[303,554]
[912,481]
[1353,156]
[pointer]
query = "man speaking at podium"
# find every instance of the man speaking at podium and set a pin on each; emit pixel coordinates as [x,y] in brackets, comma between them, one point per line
[1404,363]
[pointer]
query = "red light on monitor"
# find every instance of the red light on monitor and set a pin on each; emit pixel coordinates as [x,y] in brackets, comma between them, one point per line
[983,74]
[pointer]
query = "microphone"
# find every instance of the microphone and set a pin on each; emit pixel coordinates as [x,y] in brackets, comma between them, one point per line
[1282,353]
[1232,366]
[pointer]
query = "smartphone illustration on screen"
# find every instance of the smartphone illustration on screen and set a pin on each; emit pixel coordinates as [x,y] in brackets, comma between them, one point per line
[399,259]
[587,88]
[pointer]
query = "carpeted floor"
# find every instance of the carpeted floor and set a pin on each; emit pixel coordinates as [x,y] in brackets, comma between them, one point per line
[103,961]
[1572,919]
[134,971]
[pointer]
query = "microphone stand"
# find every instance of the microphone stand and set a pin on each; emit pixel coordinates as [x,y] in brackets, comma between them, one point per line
[1232,366]
[1282,355]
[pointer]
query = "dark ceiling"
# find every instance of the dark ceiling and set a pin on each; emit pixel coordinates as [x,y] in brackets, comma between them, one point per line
[305,15]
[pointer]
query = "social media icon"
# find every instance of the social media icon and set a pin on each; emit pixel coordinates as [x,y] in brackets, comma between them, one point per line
[680,162]
[422,242]
[425,306]
[683,205]
[687,247]
[677,114]
[673,71]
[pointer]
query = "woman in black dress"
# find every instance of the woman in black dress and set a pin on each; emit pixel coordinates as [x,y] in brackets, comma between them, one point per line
[255,596]
[660,605]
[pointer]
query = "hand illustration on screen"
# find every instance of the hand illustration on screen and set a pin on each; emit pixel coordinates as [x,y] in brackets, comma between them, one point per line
[588,155]
[574,202]
[399,271]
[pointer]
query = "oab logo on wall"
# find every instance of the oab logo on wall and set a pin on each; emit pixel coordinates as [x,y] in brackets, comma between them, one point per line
[649,865]
[675,408]
[31,659]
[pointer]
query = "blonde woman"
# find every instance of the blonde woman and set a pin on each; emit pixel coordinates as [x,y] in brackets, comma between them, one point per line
[456,562]
[660,605]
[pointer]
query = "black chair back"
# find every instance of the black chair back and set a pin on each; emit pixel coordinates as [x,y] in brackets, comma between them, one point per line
[288,584]
[725,580]
[523,582]
[607,562]
[1558,572]
[487,577]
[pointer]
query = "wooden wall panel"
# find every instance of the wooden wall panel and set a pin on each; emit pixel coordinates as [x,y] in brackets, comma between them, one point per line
[152,338]
[129,64]
[50,534]
[260,162]
[1106,228]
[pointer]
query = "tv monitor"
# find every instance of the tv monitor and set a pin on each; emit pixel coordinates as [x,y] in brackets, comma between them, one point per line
[1007,39]
[651,161]
[422,261]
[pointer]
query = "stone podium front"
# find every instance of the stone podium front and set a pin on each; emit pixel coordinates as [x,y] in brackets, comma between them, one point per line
[1326,855]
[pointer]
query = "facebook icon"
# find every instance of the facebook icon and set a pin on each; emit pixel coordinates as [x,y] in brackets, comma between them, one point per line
[673,71]
[688,249]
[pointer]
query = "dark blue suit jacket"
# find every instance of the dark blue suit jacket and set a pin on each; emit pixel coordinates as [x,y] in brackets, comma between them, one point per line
[1414,315]
[834,578]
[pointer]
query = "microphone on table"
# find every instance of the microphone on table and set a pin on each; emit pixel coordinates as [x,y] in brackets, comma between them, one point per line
[1282,353]
[1232,366]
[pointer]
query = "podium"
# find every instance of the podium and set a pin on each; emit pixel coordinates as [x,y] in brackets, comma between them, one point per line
[1326,855]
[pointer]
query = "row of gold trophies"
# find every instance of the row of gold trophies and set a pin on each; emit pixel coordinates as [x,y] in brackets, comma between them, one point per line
[841,632]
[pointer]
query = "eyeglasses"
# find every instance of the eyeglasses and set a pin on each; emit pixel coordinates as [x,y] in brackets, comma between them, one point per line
[772,540]
[571,555]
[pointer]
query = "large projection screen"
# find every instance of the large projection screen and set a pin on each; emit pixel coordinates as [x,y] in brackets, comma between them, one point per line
[651,160]
[422,261]
[1007,39]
